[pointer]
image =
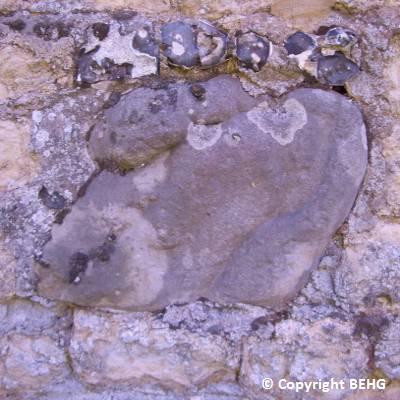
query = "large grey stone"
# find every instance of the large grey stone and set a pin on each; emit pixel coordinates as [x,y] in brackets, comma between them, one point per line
[231,198]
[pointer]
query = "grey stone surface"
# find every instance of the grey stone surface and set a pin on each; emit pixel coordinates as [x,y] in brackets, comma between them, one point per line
[147,122]
[230,200]
[387,350]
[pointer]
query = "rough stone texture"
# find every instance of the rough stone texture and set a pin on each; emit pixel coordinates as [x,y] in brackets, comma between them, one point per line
[354,288]
[32,340]
[32,67]
[387,350]
[155,7]
[42,362]
[392,161]
[7,277]
[172,237]
[296,351]
[392,393]
[305,15]
[146,350]
[370,267]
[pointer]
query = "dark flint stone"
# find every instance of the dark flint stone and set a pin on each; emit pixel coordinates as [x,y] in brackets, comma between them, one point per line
[179,44]
[78,264]
[252,50]
[298,43]
[198,91]
[112,100]
[17,25]
[52,200]
[146,44]
[211,44]
[88,70]
[100,30]
[336,70]
[340,37]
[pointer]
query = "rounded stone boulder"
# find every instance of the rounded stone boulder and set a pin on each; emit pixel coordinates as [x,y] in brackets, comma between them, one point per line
[227,197]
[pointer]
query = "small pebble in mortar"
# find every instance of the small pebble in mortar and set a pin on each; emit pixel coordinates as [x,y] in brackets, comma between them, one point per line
[336,70]
[179,44]
[340,37]
[298,43]
[252,50]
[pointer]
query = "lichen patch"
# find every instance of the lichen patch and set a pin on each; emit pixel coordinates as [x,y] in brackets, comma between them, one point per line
[283,125]
[201,137]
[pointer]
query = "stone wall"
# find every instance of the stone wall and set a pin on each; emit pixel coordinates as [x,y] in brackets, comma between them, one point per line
[340,318]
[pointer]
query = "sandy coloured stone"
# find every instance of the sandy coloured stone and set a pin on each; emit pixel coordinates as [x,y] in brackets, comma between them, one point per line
[34,67]
[31,363]
[17,163]
[123,349]
[304,15]
[155,7]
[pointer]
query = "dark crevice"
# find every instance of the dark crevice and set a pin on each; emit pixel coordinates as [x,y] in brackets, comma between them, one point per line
[341,89]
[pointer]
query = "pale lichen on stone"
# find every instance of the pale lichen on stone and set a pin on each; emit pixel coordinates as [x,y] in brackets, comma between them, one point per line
[202,136]
[284,124]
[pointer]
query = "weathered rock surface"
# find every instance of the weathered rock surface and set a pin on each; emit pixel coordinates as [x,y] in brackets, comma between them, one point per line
[7,276]
[236,203]
[302,352]
[31,347]
[32,66]
[370,267]
[387,351]
[305,14]
[135,349]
